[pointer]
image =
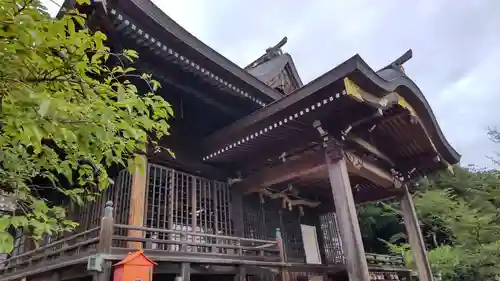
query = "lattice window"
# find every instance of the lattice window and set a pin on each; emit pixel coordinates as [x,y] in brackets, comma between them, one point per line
[272,218]
[253,217]
[292,235]
[205,220]
[158,203]
[331,239]
[120,194]
[91,213]
[262,219]
[174,200]
[180,201]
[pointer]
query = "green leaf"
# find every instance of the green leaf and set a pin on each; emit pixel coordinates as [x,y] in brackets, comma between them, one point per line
[131,54]
[4,222]
[19,221]
[6,242]
[44,107]
[140,160]
[61,103]
[80,20]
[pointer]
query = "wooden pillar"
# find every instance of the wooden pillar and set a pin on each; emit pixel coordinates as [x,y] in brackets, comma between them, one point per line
[137,203]
[105,242]
[350,234]
[415,237]
[242,274]
[185,272]
[284,274]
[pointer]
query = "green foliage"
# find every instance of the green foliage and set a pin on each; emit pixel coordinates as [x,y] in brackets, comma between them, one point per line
[379,223]
[67,115]
[460,216]
[494,136]
[465,207]
[460,222]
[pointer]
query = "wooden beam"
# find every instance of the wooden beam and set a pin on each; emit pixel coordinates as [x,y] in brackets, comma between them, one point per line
[311,164]
[356,165]
[370,148]
[415,236]
[345,208]
[137,202]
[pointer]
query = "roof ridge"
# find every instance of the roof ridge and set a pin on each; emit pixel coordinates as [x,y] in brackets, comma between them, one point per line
[132,256]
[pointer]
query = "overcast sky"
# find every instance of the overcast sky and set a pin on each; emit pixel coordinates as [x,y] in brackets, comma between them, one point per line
[456,48]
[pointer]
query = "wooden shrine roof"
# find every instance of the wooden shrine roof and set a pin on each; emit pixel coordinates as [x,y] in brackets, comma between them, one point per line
[350,95]
[161,26]
[271,68]
[350,100]
[268,67]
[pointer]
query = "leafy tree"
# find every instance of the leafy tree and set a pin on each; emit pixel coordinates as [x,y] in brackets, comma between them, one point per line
[494,136]
[380,223]
[68,114]
[461,224]
[470,251]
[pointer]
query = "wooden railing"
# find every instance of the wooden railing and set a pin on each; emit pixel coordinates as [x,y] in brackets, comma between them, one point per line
[117,240]
[392,261]
[182,246]
[78,245]
[196,242]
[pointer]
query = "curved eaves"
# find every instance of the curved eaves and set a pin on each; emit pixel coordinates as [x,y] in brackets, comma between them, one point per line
[414,96]
[357,70]
[147,12]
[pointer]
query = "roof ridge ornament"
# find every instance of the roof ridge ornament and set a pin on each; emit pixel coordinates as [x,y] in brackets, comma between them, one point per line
[276,49]
[398,63]
[271,52]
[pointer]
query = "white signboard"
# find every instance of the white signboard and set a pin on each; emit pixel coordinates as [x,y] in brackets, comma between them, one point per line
[311,247]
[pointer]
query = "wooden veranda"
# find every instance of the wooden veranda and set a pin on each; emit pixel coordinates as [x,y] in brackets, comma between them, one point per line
[69,257]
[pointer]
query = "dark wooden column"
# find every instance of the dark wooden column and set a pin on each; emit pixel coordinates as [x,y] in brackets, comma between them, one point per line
[350,234]
[415,237]
[137,203]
